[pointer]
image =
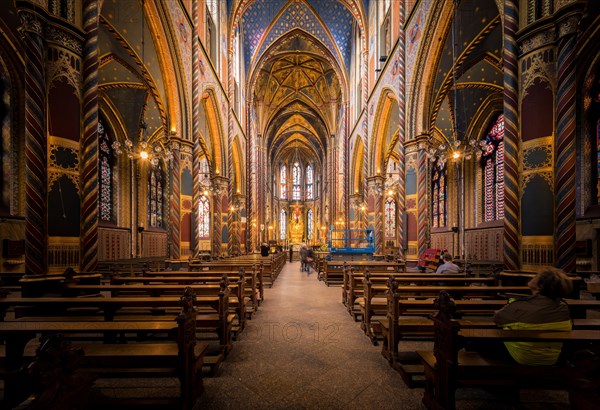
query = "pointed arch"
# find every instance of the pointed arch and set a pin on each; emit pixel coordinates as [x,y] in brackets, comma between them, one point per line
[238,174]
[381,142]
[357,169]
[216,135]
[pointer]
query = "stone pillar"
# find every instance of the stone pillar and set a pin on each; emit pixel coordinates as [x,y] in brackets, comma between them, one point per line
[89,143]
[175,202]
[423,195]
[565,139]
[375,208]
[36,229]
[220,192]
[512,215]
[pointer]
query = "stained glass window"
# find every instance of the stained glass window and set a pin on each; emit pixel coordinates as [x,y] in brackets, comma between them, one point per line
[309,182]
[309,223]
[283,182]
[155,198]
[493,172]
[282,224]
[105,174]
[438,189]
[296,181]
[390,218]
[204,216]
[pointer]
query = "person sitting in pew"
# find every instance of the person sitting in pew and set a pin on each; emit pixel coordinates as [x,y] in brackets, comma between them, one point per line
[544,310]
[447,266]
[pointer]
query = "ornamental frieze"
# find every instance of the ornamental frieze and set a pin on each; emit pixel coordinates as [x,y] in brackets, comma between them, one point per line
[64,39]
[538,40]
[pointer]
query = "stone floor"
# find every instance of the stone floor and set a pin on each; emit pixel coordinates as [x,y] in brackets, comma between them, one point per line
[302,350]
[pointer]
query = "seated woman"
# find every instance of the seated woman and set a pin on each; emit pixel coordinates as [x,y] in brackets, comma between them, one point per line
[544,310]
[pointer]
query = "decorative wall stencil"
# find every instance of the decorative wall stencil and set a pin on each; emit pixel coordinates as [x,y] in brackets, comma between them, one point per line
[414,33]
[538,66]
[63,65]
[183,31]
[62,157]
[64,39]
[538,40]
[537,157]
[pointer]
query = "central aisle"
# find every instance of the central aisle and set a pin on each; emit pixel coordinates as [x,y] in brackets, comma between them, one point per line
[303,350]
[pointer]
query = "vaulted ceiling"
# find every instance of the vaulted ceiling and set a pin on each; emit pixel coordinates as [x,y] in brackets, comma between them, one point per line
[297,56]
[468,81]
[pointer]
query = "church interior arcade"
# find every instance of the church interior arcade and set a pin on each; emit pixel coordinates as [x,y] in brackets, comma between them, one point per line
[167,129]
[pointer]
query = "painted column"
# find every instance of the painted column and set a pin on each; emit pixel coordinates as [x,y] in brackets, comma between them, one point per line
[251,194]
[565,142]
[375,204]
[423,240]
[401,135]
[220,190]
[89,143]
[194,218]
[36,229]
[511,137]
[175,202]
[365,121]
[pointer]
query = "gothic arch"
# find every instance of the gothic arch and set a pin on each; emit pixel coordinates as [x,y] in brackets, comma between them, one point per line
[380,145]
[238,171]
[216,134]
[356,170]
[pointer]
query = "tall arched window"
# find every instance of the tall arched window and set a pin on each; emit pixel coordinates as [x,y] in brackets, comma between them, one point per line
[105,174]
[309,224]
[155,198]
[282,224]
[309,182]
[492,162]
[296,181]
[390,218]
[438,189]
[283,182]
[204,216]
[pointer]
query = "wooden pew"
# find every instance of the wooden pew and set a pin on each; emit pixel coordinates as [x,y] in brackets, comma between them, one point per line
[253,284]
[408,316]
[236,298]
[215,315]
[374,306]
[448,367]
[181,358]
[513,277]
[265,275]
[334,270]
[355,287]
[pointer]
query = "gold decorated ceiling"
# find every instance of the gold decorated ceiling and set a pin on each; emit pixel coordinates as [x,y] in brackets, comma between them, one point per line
[298,76]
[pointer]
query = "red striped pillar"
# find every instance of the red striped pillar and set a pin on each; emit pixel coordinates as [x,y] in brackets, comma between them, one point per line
[89,143]
[565,143]
[375,204]
[194,217]
[175,203]
[401,210]
[512,213]
[422,197]
[36,229]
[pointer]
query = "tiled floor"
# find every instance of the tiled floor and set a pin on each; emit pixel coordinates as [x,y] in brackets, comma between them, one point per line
[302,350]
